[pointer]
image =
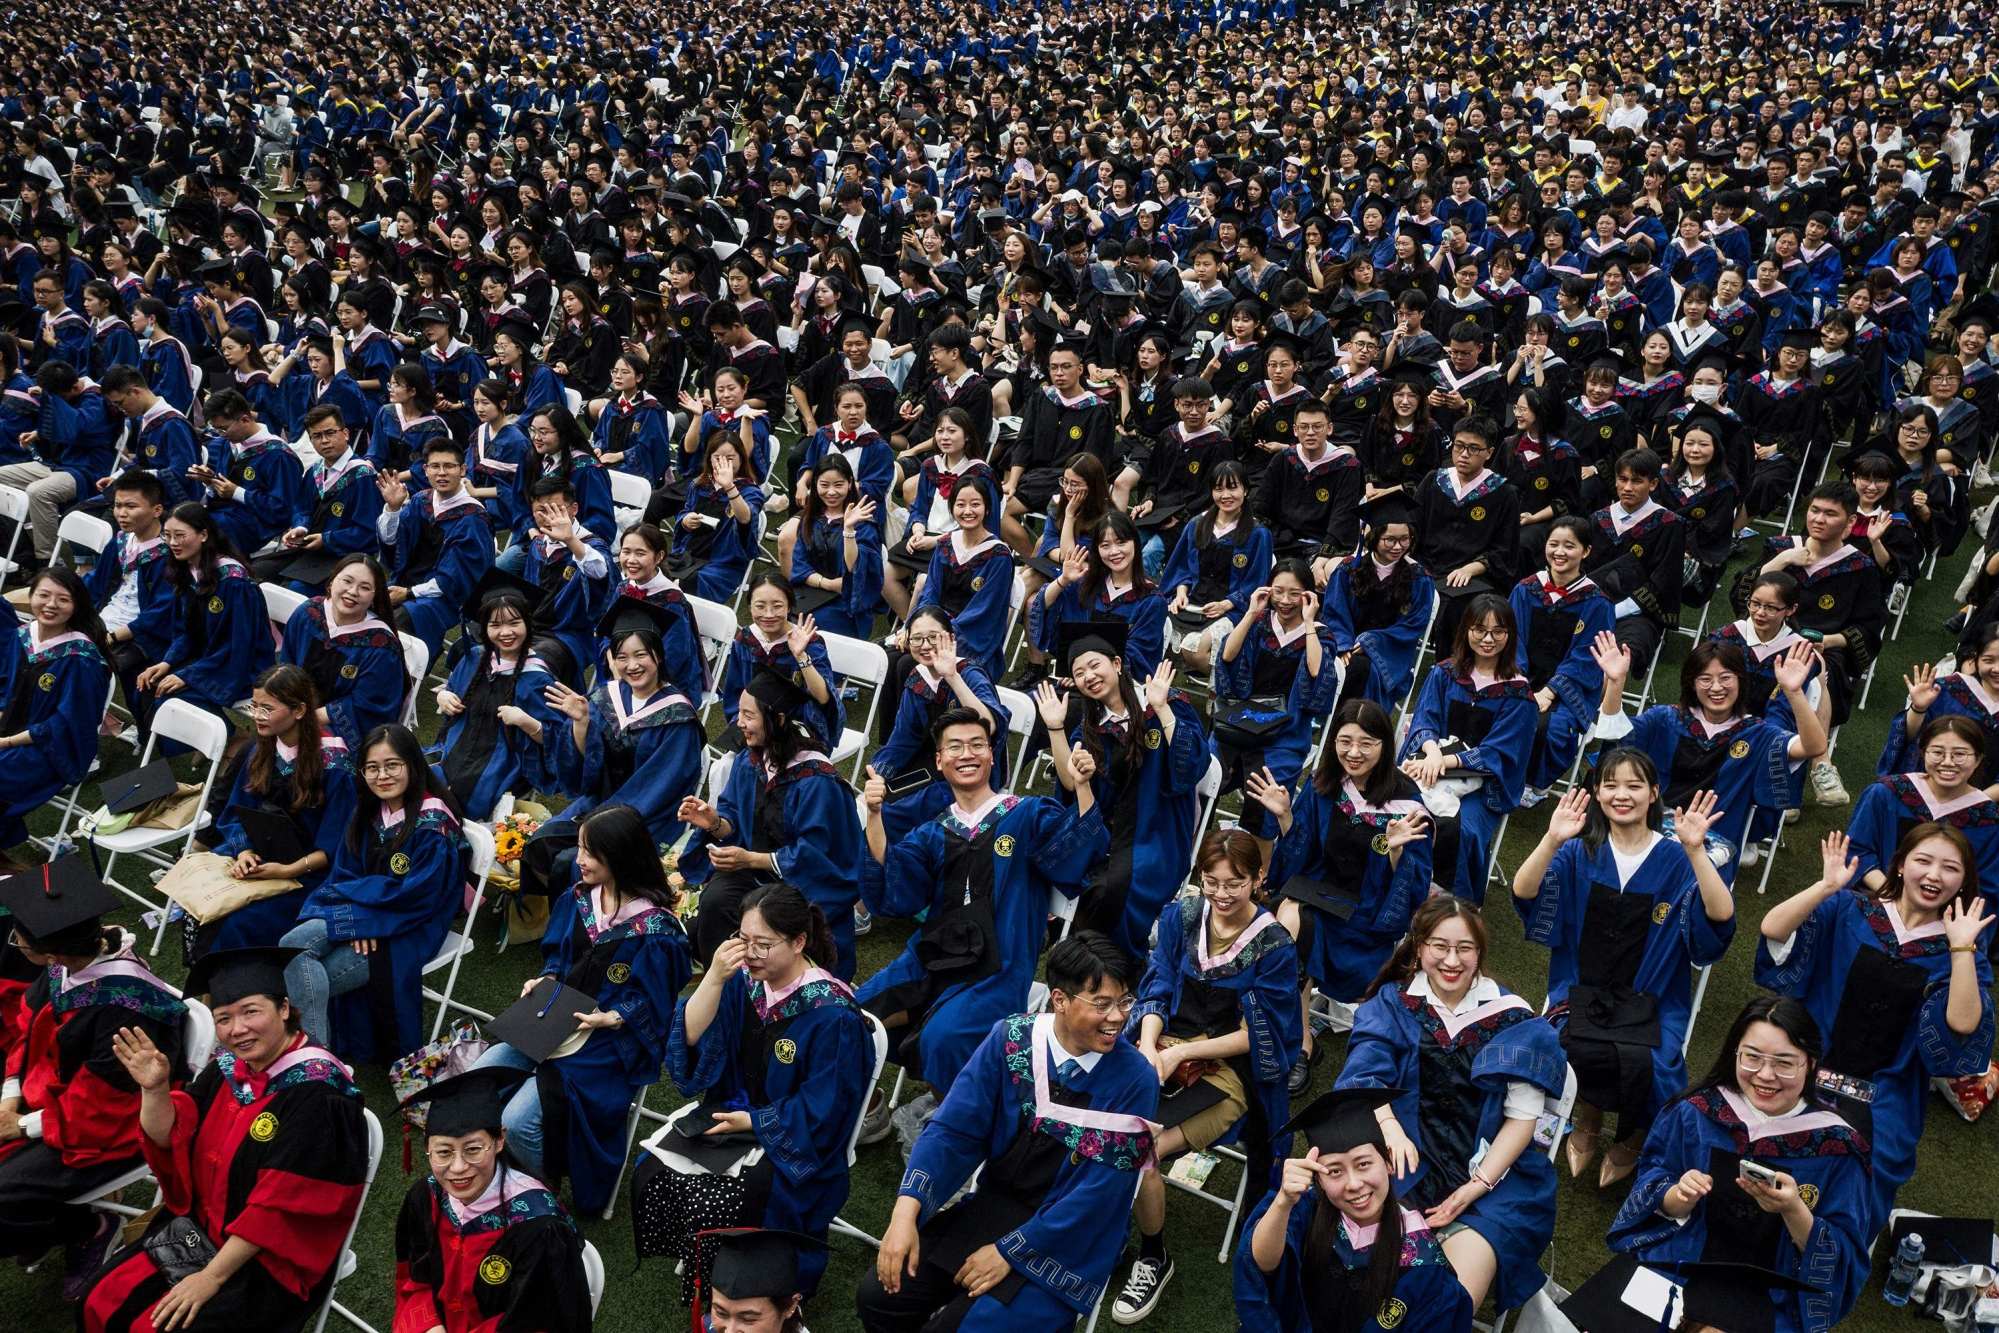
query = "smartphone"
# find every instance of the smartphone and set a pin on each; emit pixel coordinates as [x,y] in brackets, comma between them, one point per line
[1756,1171]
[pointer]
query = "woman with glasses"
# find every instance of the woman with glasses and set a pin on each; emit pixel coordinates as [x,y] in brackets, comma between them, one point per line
[1475,1069]
[1625,912]
[1971,691]
[1692,1200]
[1560,611]
[479,1242]
[1953,751]
[1763,636]
[1467,525]
[1473,729]
[1216,1018]
[1896,977]
[613,934]
[776,1057]
[55,681]
[940,681]
[346,641]
[1378,607]
[380,914]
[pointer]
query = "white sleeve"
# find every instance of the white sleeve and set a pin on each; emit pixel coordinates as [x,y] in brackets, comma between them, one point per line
[1781,949]
[388,523]
[1524,1101]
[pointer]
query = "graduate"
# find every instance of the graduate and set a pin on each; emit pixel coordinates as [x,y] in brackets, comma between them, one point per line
[1897,980]
[1309,495]
[364,934]
[494,706]
[1701,491]
[929,495]
[1216,1018]
[1219,560]
[1478,1069]
[69,1112]
[1475,718]
[405,425]
[1624,914]
[1970,691]
[344,641]
[790,647]
[939,681]
[981,874]
[480,1244]
[335,513]
[1952,752]
[642,555]
[1560,612]
[571,563]
[1690,1200]
[776,1055]
[1709,741]
[438,543]
[756,1280]
[1148,753]
[294,767]
[1056,1108]
[558,450]
[1467,520]
[255,482]
[714,534]
[634,741]
[783,814]
[264,1157]
[1107,580]
[634,433]
[56,684]
[836,560]
[221,632]
[1764,635]
[1275,680]
[612,934]
[1637,546]
[869,457]
[1842,596]
[1330,1247]
[970,576]
[1378,606]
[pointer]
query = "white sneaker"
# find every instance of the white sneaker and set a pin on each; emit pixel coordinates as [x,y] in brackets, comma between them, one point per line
[1750,855]
[1532,796]
[1827,789]
[863,920]
[1141,1291]
[875,1125]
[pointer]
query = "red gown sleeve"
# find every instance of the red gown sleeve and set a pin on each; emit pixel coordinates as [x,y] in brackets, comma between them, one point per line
[173,1165]
[308,1188]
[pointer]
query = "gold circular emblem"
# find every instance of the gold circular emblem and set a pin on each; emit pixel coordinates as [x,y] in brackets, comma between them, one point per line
[798,677]
[686,321]
[618,973]
[1241,560]
[494,1270]
[349,671]
[1478,513]
[1660,913]
[1075,432]
[1739,750]
[47,682]
[1242,367]
[1638,548]
[978,582]
[1283,423]
[1808,1193]
[1003,845]
[1968,392]
[1831,375]
[249,474]
[1380,844]
[1540,483]
[338,509]
[1606,431]
[1391,1313]
[399,864]
[215,606]
[1324,494]
[1360,404]
[569,573]
[1577,630]
[1075,1159]
[1151,738]
[1698,513]
[1575,340]
[1194,466]
[786,1050]
[1408,460]
[152,451]
[264,1128]
[1825,602]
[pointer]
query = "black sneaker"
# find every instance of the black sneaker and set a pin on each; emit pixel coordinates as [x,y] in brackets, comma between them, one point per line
[1028,676]
[1147,1279]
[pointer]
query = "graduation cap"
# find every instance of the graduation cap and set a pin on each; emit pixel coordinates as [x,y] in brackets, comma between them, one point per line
[517,328]
[58,905]
[759,1263]
[228,975]
[542,1020]
[495,584]
[628,615]
[467,1103]
[1076,637]
[776,692]
[1342,1120]
[1290,342]
[140,788]
[217,270]
[1801,340]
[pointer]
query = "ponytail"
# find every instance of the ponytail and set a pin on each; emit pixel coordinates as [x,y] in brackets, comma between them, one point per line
[789,914]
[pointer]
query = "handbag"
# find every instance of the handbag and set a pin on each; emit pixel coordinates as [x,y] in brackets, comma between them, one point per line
[180,1249]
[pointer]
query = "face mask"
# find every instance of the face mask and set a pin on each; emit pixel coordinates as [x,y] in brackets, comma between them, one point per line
[1704,393]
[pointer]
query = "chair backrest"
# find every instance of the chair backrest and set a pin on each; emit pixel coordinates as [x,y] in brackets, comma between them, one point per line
[367,1183]
[856,657]
[280,603]
[197,1035]
[416,661]
[573,399]
[1561,1109]
[1021,714]
[879,1034]
[14,503]
[197,729]
[593,1276]
[628,490]
[481,840]
[83,531]
[715,623]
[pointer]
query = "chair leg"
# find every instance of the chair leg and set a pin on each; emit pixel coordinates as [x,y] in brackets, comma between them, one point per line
[624,1165]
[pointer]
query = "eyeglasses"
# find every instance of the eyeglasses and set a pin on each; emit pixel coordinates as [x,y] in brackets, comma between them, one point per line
[1210,885]
[957,749]
[1122,1005]
[925,640]
[1774,608]
[1446,949]
[387,769]
[1783,1066]
[1486,632]
[756,948]
[1944,756]
[471,1154]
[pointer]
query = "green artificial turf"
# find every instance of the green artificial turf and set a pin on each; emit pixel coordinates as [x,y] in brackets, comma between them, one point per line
[1955,1173]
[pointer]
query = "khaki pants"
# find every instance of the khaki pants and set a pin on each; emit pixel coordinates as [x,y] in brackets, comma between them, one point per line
[48,491]
[1204,1128]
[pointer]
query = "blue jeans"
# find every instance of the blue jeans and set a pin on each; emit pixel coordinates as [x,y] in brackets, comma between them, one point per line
[514,559]
[1155,556]
[327,968]
[522,1116]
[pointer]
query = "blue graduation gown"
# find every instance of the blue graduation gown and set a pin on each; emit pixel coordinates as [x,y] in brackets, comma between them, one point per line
[572,601]
[1891,806]
[1815,1147]
[1958,695]
[1428,1297]
[496,461]
[1037,844]
[321,828]
[823,551]
[79,437]
[112,345]
[872,459]
[636,969]
[168,370]
[61,688]
[1499,719]
[496,758]
[452,553]
[637,428]
[1680,937]
[1146,614]
[978,594]
[683,666]
[1391,649]
[397,445]
[359,671]
[400,888]
[273,490]
[167,448]
[1544,617]
[1064,1253]
[454,378]
[1398,1040]
[1333,838]
[1261,670]
[1920,1046]
[934,483]
[747,656]
[1262,976]
[645,755]
[727,548]
[908,746]
[815,835]
[221,638]
[1249,563]
[342,392]
[1745,764]
[340,506]
[153,626]
[813,1084]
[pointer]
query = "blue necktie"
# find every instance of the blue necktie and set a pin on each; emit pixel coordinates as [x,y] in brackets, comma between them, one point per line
[1070,1073]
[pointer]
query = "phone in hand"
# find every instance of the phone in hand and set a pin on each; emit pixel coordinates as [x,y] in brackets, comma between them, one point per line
[1756,1171]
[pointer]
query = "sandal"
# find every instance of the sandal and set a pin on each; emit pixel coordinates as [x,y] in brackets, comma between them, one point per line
[1580,1148]
[1619,1162]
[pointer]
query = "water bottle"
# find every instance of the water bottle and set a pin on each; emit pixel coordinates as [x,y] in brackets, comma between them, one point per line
[1903,1271]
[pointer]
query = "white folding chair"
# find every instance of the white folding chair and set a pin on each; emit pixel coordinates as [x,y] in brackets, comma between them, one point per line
[879,1034]
[70,799]
[81,533]
[640,1111]
[459,943]
[629,496]
[573,400]
[864,663]
[13,505]
[281,603]
[205,734]
[349,1261]
[593,1276]
[1021,718]
[715,625]
[416,664]
[1559,1113]
[1207,791]
[197,1048]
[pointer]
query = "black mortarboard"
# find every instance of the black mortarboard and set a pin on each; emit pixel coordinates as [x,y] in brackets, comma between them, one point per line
[753,1264]
[1343,1119]
[467,1103]
[1290,342]
[1090,636]
[628,614]
[141,786]
[776,692]
[431,314]
[1803,340]
[229,975]
[517,328]
[58,904]
[217,270]
[494,583]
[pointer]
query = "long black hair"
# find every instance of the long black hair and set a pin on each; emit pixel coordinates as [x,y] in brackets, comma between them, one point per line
[83,617]
[1596,825]
[1384,1256]
[1204,527]
[1116,523]
[1380,786]
[619,838]
[215,545]
[422,783]
[1788,1016]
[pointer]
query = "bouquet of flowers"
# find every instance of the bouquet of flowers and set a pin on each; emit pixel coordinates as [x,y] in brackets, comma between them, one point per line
[525,918]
